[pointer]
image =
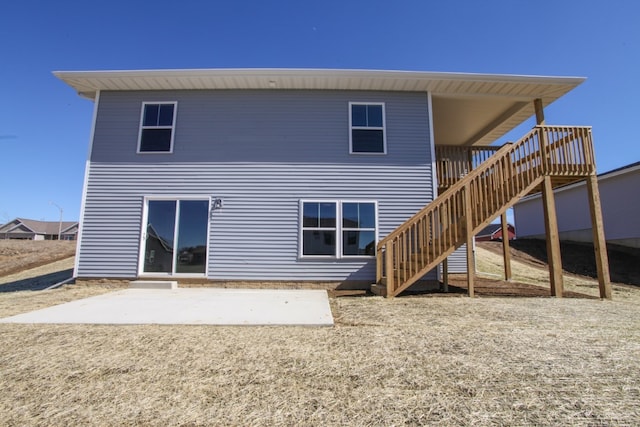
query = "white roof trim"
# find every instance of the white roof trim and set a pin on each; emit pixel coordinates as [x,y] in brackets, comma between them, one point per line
[88,82]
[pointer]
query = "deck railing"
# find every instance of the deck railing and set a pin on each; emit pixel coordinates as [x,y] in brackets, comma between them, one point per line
[454,163]
[468,205]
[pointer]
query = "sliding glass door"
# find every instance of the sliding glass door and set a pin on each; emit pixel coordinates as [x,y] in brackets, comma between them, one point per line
[175,237]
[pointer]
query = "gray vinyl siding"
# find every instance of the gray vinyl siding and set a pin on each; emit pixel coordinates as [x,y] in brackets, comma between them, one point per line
[620,210]
[458,260]
[256,233]
[261,126]
[261,152]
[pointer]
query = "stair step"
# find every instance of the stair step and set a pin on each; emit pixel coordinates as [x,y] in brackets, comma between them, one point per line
[153,284]
[380,289]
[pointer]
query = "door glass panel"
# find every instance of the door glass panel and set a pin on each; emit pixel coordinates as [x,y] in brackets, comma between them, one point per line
[192,236]
[161,220]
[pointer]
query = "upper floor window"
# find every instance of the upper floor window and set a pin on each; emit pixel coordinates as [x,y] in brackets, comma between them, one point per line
[367,123]
[157,126]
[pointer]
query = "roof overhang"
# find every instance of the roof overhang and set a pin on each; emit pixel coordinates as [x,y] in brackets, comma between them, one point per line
[468,109]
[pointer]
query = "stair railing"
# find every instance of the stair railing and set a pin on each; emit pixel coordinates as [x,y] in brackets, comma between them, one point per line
[428,237]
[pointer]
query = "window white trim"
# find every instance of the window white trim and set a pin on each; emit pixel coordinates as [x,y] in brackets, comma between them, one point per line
[301,228]
[172,127]
[145,217]
[338,229]
[383,129]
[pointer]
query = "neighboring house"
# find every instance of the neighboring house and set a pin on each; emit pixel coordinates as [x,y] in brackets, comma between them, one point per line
[30,229]
[290,175]
[620,200]
[494,232]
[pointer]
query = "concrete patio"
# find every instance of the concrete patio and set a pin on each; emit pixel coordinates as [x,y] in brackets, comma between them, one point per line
[189,306]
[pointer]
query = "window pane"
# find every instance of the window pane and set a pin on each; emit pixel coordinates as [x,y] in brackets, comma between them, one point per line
[166,115]
[155,140]
[367,141]
[358,243]
[310,213]
[158,251]
[350,215]
[327,214]
[358,115]
[318,242]
[374,116]
[192,236]
[150,115]
[367,215]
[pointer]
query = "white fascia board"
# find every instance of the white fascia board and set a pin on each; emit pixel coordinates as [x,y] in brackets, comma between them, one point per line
[86,83]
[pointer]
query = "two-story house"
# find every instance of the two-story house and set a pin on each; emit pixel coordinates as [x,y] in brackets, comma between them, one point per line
[279,175]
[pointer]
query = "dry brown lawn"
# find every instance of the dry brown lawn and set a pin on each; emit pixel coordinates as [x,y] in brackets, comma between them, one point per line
[416,361]
[421,360]
[19,255]
[490,265]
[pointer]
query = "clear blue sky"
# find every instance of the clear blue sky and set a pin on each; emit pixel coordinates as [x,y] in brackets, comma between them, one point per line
[44,125]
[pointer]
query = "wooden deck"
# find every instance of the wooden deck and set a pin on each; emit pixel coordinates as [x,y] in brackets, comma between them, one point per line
[478,185]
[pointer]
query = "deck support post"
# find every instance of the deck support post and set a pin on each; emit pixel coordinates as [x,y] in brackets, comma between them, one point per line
[388,266]
[599,242]
[445,275]
[505,247]
[554,258]
[471,265]
[553,239]
[537,105]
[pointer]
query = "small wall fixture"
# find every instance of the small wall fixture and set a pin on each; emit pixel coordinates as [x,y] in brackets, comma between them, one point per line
[217,203]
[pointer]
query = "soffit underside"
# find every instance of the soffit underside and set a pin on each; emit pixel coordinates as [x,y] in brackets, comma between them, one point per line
[477,121]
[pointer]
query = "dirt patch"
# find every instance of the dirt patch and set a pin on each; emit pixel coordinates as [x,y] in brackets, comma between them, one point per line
[485,287]
[577,258]
[19,255]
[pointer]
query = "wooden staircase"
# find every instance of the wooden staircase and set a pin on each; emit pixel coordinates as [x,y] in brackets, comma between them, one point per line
[478,184]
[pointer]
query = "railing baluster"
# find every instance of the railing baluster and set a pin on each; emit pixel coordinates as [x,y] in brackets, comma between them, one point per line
[379,269]
[419,240]
[406,252]
[432,249]
[396,264]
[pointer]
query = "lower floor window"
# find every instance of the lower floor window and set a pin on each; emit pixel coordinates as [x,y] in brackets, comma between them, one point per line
[338,229]
[175,236]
